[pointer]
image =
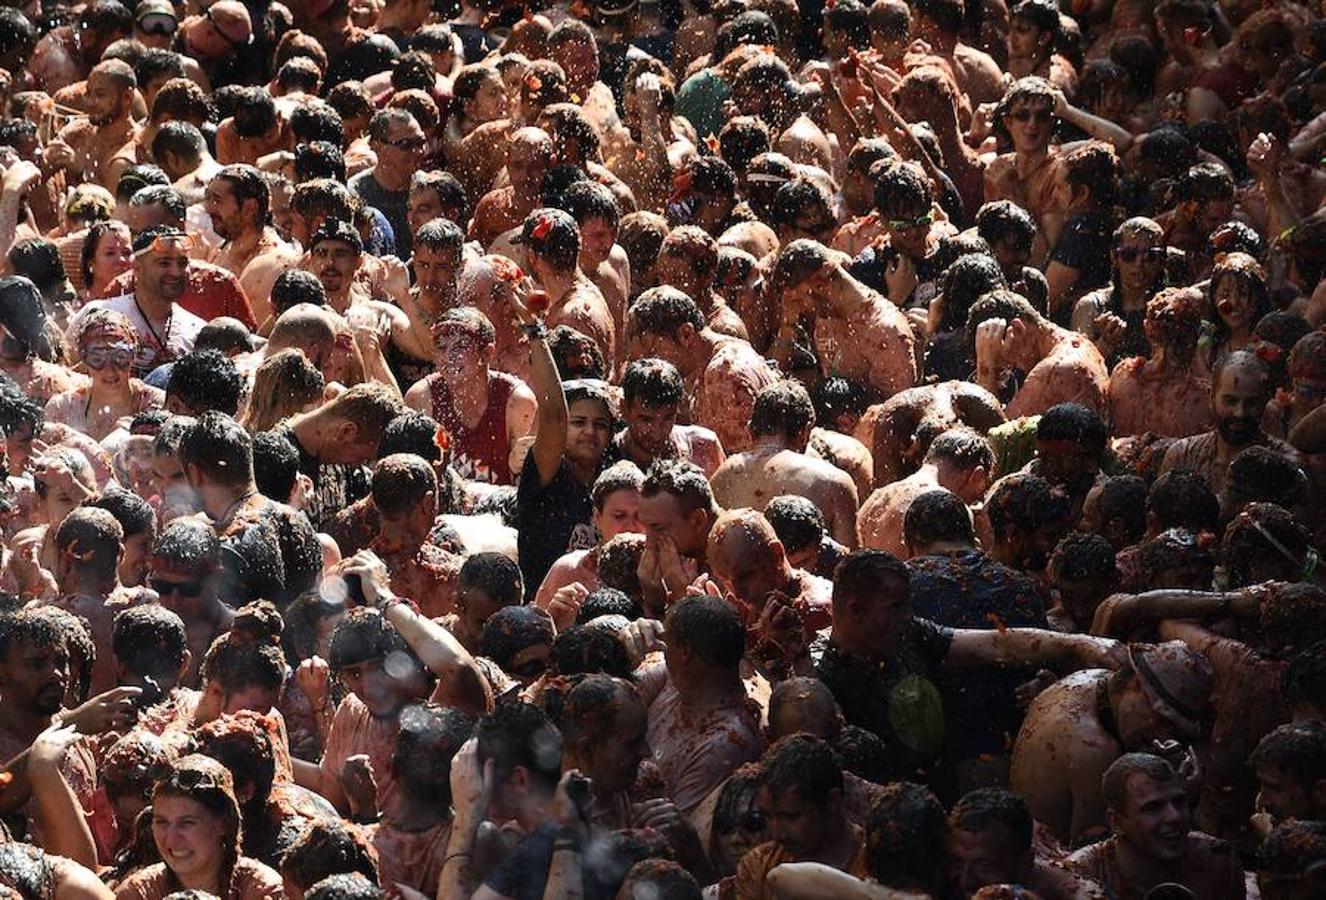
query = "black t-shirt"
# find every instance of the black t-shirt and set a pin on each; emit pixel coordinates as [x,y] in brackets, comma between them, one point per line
[269,554]
[898,699]
[524,873]
[335,485]
[365,55]
[969,590]
[551,520]
[476,42]
[1085,246]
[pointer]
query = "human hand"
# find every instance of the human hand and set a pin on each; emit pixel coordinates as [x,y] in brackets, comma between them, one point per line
[676,571]
[471,786]
[313,678]
[395,277]
[20,178]
[58,154]
[642,637]
[113,709]
[359,784]
[1110,330]
[374,578]
[571,800]
[662,815]
[900,278]
[1061,104]
[1266,153]
[990,337]
[565,604]
[49,748]
[648,93]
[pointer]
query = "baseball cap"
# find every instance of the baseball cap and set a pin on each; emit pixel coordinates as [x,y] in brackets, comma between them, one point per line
[231,20]
[1176,681]
[337,230]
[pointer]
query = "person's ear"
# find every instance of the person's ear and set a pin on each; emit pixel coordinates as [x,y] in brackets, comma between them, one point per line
[834,801]
[686,335]
[1113,820]
[779,553]
[979,478]
[346,432]
[184,666]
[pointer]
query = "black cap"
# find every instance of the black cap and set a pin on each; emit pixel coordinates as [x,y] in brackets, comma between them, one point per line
[337,230]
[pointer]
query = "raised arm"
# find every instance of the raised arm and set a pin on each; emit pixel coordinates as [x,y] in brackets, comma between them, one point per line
[550,428]
[1098,128]
[460,683]
[816,881]
[63,824]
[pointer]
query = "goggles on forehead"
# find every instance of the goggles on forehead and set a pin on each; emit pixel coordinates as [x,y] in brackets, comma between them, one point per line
[182,242]
[157,23]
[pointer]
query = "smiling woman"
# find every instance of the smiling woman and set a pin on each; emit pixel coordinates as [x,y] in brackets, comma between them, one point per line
[196,828]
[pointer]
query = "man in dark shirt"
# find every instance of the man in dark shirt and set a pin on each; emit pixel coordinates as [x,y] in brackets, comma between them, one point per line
[881,661]
[399,143]
[956,585]
[335,441]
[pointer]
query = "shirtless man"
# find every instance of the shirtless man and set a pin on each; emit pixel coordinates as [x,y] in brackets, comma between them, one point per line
[688,260]
[677,510]
[937,22]
[1240,390]
[181,151]
[597,214]
[852,330]
[529,156]
[959,461]
[484,412]
[723,374]
[404,492]
[1060,365]
[238,201]
[644,159]
[550,252]
[335,254]
[898,431]
[652,394]
[487,285]
[90,544]
[1076,728]
[749,562]
[991,841]
[186,574]
[101,147]
[780,424]
[1165,393]
[1148,811]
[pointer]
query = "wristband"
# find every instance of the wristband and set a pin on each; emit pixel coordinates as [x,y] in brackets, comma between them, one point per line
[535,331]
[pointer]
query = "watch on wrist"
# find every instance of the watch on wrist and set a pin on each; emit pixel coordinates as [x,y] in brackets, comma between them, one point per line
[535,331]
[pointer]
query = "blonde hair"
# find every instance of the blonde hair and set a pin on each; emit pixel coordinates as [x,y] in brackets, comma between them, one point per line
[285,384]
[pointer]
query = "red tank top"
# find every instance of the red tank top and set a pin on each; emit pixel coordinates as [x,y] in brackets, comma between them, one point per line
[480,453]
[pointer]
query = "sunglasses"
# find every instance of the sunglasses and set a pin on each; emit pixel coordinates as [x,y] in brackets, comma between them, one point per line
[1032,115]
[98,358]
[193,779]
[408,144]
[1132,254]
[157,23]
[183,588]
[530,669]
[921,221]
[40,487]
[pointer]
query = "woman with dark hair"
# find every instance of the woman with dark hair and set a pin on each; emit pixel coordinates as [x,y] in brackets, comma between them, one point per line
[106,255]
[197,830]
[39,260]
[478,97]
[1239,298]
[1164,394]
[1112,316]
[27,353]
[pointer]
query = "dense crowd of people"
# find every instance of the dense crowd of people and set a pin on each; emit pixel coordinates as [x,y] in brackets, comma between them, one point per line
[662,449]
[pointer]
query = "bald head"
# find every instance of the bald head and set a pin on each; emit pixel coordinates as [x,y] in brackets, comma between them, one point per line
[744,553]
[803,705]
[299,326]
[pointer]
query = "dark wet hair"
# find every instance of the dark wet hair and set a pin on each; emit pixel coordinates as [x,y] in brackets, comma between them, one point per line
[986,808]
[364,635]
[219,446]
[512,629]
[428,739]
[496,574]
[206,380]
[937,515]
[519,734]
[798,522]
[804,763]
[1024,501]
[585,649]
[606,601]
[782,409]
[329,847]
[906,833]
[150,641]
[710,628]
